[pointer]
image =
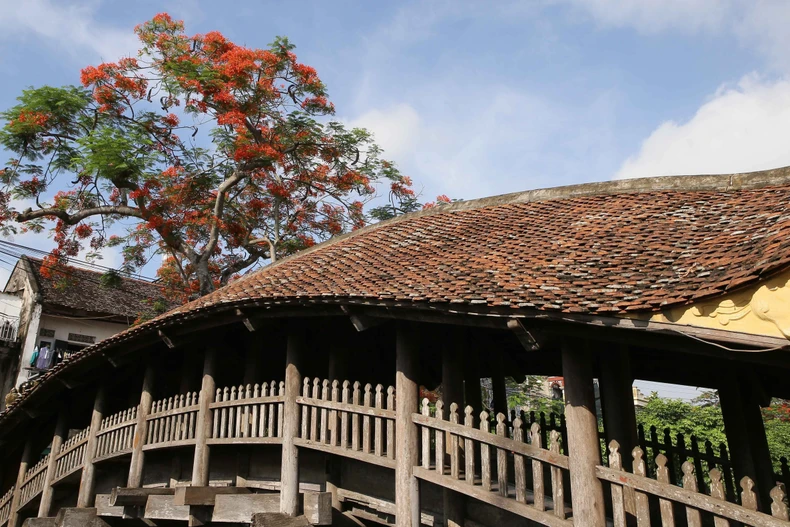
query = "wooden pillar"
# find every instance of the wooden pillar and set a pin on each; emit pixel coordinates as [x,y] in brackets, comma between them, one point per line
[617,398]
[251,364]
[338,362]
[407,495]
[88,481]
[135,479]
[498,383]
[583,445]
[453,392]
[27,454]
[472,391]
[289,473]
[748,446]
[61,429]
[200,465]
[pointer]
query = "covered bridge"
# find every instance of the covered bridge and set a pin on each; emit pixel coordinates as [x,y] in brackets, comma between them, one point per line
[296,389]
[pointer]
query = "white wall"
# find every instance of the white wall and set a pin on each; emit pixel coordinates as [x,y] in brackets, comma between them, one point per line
[62,326]
[10,305]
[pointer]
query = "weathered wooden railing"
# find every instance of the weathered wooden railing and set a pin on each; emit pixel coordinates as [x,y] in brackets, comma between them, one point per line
[251,414]
[115,434]
[33,481]
[481,459]
[172,422]
[342,419]
[71,455]
[658,500]
[5,505]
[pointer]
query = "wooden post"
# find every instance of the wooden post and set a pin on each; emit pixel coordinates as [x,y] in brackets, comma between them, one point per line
[135,479]
[743,424]
[289,473]
[472,391]
[338,362]
[452,392]
[200,465]
[61,429]
[585,449]
[407,492]
[88,480]
[619,414]
[498,383]
[27,454]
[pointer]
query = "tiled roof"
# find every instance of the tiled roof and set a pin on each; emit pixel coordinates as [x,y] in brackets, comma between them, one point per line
[603,248]
[603,253]
[82,290]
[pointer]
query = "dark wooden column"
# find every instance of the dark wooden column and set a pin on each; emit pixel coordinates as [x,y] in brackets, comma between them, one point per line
[337,371]
[617,398]
[252,364]
[583,445]
[61,429]
[407,491]
[338,361]
[498,383]
[453,392]
[743,424]
[135,479]
[289,473]
[472,391]
[27,457]
[86,494]
[200,465]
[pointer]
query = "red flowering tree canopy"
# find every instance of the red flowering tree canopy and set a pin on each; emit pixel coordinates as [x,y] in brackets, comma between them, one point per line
[216,155]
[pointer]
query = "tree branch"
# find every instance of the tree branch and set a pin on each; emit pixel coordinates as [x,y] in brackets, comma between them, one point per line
[73,219]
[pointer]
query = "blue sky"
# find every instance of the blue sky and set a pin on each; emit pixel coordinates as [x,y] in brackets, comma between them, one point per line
[477,98]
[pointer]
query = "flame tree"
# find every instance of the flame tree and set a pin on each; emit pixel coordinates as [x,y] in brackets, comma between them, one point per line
[216,155]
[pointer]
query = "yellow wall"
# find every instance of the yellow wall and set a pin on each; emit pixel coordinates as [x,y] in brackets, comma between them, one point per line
[763,309]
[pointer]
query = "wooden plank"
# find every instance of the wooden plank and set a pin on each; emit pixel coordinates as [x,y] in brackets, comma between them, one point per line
[239,508]
[243,441]
[367,457]
[511,505]
[204,496]
[558,460]
[352,408]
[159,507]
[126,496]
[689,498]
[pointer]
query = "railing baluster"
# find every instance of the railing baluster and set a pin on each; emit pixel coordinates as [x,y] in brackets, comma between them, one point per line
[557,485]
[378,438]
[485,454]
[717,492]
[693,517]
[280,409]
[344,416]
[265,420]
[779,503]
[314,411]
[537,469]
[391,423]
[426,436]
[642,505]
[501,456]
[355,431]
[520,469]
[439,439]
[469,448]
[454,457]
[663,476]
[366,421]
[333,420]
[272,410]
[324,417]
[748,496]
[232,421]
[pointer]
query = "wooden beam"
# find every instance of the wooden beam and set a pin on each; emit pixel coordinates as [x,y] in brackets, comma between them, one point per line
[362,322]
[524,336]
[126,497]
[247,321]
[165,339]
[204,496]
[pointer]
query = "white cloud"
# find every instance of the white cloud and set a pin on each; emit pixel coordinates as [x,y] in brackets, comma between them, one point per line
[741,128]
[72,28]
[653,16]
[396,128]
